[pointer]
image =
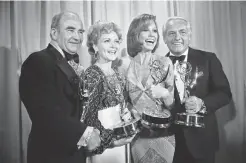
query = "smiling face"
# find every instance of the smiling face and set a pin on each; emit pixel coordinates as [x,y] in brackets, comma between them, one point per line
[177,36]
[70,34]
[107,46]
[148,37]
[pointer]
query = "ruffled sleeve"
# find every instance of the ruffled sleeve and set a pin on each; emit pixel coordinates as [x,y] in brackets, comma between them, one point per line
[95,86]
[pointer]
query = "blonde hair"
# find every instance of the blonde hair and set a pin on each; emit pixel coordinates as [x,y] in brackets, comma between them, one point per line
[97,29]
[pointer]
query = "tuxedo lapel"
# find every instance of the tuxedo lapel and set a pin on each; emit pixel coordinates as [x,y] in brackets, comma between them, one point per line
[193,59]
[196,61]
[72,88]
[63,65]
[68,71]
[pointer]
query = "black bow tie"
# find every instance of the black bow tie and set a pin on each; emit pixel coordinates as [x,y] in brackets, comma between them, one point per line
[69,57]
[175,58]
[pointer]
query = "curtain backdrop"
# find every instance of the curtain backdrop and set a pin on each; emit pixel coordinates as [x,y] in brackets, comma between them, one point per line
[216,26]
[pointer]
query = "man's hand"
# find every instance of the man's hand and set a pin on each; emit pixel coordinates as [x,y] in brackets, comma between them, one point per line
[193,104]
[158,91]
[94,140]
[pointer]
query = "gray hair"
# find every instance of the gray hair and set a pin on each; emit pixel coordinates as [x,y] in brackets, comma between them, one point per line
[175,18]
[56,20]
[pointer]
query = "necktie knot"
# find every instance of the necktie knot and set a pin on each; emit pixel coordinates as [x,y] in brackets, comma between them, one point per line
[177,58]
[69,56]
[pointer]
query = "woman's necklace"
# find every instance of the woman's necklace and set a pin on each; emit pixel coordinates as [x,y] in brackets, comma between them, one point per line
[106,69]
[111,77]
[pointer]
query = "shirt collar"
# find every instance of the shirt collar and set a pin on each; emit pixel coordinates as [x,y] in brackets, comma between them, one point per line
[56,46]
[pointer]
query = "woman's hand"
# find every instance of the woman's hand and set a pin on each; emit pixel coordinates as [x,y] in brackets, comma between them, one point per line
[94,140]
[158,91]
[126,115]
[123,141]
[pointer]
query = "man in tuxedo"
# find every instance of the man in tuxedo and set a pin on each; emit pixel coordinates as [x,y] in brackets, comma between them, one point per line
[210,92]
[49,88]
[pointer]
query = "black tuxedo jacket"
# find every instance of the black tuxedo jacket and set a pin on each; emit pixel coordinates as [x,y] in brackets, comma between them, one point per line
[49,90]
[214,89]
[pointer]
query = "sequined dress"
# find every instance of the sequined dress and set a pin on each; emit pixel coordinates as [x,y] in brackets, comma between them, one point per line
[147,149]
[106,91]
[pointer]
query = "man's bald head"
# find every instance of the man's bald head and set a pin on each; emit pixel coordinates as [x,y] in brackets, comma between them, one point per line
[56,20]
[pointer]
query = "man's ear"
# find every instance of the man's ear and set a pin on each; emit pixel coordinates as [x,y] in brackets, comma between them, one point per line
[164,39]
[54,33]
[190,34]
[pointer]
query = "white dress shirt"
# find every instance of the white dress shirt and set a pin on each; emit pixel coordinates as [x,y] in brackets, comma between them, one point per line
[178,81]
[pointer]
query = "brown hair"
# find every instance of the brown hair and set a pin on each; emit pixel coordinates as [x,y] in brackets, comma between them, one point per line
[137,25]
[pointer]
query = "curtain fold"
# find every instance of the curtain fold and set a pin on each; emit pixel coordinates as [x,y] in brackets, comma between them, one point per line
[216,26]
